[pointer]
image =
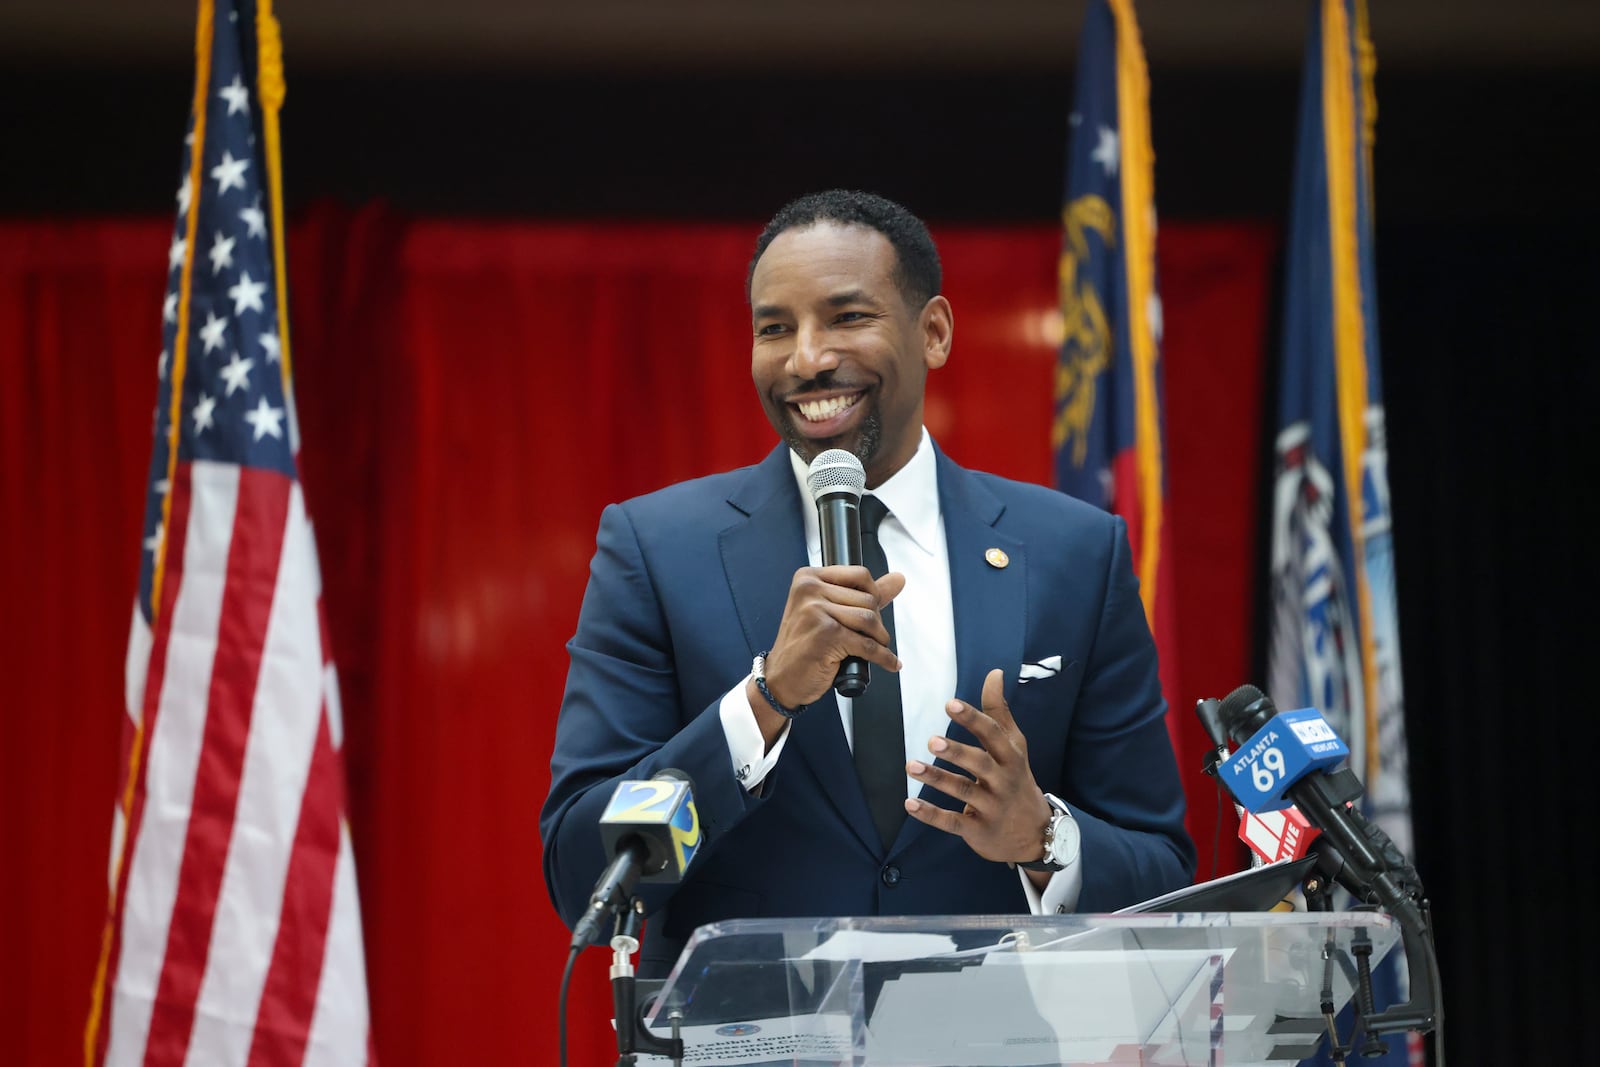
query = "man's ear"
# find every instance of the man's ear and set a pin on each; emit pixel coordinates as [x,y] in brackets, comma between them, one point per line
[938,328]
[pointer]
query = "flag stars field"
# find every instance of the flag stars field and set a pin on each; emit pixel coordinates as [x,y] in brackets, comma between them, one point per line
[237,96]
[254,220]
[229,173]
[237,374]
[212,332]
[247,294]
[203,412]
[266,420]
[221,252]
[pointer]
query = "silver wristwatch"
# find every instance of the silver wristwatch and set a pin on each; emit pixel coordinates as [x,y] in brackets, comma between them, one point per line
[1060,838]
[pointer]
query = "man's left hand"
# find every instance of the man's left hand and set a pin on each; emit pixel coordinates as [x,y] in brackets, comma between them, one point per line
[1005,811]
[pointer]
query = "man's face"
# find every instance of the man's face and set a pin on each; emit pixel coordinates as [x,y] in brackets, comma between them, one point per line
[838,358]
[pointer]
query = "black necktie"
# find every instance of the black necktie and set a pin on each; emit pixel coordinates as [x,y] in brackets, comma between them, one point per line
[878,727]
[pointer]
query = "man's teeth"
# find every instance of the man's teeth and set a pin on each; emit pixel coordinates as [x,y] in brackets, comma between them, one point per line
[819,410]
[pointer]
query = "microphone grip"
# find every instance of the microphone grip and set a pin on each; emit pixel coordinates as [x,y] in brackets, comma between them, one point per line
[839,528]
[612,891]
[851,681]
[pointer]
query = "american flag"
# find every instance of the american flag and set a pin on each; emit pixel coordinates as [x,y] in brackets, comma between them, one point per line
[234,933]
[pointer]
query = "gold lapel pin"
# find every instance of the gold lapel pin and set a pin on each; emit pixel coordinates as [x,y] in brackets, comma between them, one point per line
[997,558]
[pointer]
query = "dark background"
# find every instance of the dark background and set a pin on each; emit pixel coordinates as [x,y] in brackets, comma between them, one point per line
[1487,276]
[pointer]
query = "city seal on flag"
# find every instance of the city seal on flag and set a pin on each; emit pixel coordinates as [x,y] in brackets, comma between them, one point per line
[1310,594]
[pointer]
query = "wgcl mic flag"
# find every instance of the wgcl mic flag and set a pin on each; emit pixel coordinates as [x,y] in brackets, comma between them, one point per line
[1107,433]
[1334,639]
[233,934]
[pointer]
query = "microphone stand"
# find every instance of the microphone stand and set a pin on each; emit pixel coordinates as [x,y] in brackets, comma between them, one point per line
[1359,856]
[632,1037]
[1373,870]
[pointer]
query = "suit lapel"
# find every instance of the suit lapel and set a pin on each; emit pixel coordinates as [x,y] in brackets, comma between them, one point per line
[988,601]
[760,556]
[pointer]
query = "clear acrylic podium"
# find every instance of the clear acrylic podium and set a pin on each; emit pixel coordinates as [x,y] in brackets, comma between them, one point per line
[1152,989]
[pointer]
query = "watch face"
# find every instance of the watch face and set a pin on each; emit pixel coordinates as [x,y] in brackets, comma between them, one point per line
[1064,840]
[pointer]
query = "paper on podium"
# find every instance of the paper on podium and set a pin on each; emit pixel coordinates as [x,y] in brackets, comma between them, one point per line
[1047,1007]
[1253,889]
[786,1040]
[874,946]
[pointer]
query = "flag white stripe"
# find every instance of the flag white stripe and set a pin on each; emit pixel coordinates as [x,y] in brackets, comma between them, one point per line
[339,1023]
[283,732]
[171,759]
[135,670]
[330,693]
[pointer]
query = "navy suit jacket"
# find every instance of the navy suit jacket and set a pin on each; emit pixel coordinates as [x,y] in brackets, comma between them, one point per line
[689,583]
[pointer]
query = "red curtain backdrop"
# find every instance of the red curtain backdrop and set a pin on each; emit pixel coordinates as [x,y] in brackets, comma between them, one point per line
[471,396]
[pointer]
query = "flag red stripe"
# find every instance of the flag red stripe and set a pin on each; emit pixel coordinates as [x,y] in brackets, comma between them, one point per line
[177,535]
[253,554]
[289,999]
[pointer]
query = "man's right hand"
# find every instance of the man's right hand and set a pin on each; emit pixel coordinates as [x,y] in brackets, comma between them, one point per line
[832,613]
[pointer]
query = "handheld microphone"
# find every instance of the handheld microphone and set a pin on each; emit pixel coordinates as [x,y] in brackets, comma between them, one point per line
[836,480]
[652,830]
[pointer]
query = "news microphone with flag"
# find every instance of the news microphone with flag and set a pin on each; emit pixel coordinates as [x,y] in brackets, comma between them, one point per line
[1276,750]
[836,480]
[1283,835]
[1351,851]
[652,831]
[1281,760]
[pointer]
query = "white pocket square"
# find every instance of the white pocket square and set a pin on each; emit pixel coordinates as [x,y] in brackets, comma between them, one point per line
[1048,667]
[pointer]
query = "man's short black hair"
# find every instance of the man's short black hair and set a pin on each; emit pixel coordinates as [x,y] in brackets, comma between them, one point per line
[916,272]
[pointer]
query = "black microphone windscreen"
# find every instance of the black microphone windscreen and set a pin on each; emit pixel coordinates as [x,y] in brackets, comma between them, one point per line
[676,775]
[1237,701]
[1244,711]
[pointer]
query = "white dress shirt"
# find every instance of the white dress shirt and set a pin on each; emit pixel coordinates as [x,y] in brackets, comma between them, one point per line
[912,536]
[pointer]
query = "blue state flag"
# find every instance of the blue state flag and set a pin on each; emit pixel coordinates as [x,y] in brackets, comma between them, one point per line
[1333,640]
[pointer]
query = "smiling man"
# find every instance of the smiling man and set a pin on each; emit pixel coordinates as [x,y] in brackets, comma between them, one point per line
[1011,752]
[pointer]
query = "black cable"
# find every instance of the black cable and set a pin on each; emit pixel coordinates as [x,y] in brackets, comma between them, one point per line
[561,1009]
[1223,797]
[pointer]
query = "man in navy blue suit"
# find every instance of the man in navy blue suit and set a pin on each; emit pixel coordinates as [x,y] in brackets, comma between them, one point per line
[1028,763]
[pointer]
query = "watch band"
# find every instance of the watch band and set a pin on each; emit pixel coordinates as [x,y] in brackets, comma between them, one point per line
[758,671]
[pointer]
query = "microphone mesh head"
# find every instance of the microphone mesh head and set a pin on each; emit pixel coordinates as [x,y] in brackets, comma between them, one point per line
[836,471]
[1233,705]
[1240,698]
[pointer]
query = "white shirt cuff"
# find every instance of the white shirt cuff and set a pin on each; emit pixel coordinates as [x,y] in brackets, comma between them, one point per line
[752,760]
[1060,894]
